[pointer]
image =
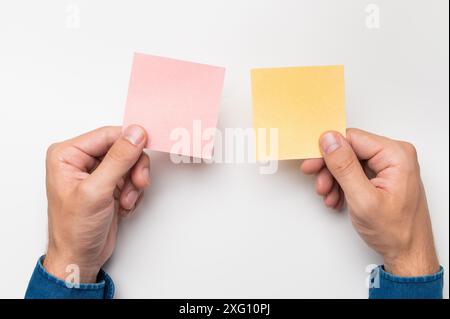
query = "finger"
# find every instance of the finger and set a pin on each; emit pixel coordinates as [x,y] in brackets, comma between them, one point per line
[129,195]
[140,173]
[332,198]
[312,166]
[139,200]
[341,202]
[367,170]
[124,213]
[96,143]
[344,165]
[118,190]
[120,158]
[368,146]
[324,182]
[73,156]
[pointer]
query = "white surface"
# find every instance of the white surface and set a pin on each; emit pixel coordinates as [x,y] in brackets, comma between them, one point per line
[218,230]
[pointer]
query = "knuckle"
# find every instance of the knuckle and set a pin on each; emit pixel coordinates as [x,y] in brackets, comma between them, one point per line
[408,156]
[120,154]
[351,131]
[409,149]
[345,166]
[105,130]
[102,131]
[52,152]
[146,159]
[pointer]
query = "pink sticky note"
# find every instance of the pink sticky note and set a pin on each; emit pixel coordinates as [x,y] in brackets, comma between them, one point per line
[176,102]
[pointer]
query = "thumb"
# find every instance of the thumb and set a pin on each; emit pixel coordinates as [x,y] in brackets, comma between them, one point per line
[120,158]
[344,165]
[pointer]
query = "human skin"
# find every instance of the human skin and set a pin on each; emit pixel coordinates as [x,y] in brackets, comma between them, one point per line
[95,179]
[379,179]
[92,181]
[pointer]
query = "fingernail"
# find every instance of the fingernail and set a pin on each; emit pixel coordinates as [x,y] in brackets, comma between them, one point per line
[330,142]
[131,198]
[146,174]
[134,134]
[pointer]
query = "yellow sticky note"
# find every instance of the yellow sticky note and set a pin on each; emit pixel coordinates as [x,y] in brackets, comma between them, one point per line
[302,103]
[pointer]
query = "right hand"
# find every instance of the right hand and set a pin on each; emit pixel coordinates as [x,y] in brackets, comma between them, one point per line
[380,180]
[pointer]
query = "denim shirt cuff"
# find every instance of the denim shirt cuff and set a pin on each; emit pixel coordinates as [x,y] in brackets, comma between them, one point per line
[43,285]
[384,285]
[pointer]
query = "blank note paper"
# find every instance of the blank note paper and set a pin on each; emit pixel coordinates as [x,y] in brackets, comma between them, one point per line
[302,103]
[167,96]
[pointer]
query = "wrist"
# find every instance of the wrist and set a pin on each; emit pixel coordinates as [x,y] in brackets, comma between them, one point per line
[415,262]
[406,269]
[65,268]
[418,254]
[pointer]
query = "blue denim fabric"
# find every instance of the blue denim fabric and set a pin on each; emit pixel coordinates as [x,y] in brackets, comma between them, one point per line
[384,285]
[42,285]
[388,286]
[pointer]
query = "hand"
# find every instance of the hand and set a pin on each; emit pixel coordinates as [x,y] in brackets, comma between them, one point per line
[380,180]
[91,181]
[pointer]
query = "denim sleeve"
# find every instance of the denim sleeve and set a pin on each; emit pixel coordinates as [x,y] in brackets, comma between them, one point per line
[384,285]
[42,285]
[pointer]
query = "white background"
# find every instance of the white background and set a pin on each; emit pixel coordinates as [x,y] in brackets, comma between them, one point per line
[218,230]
